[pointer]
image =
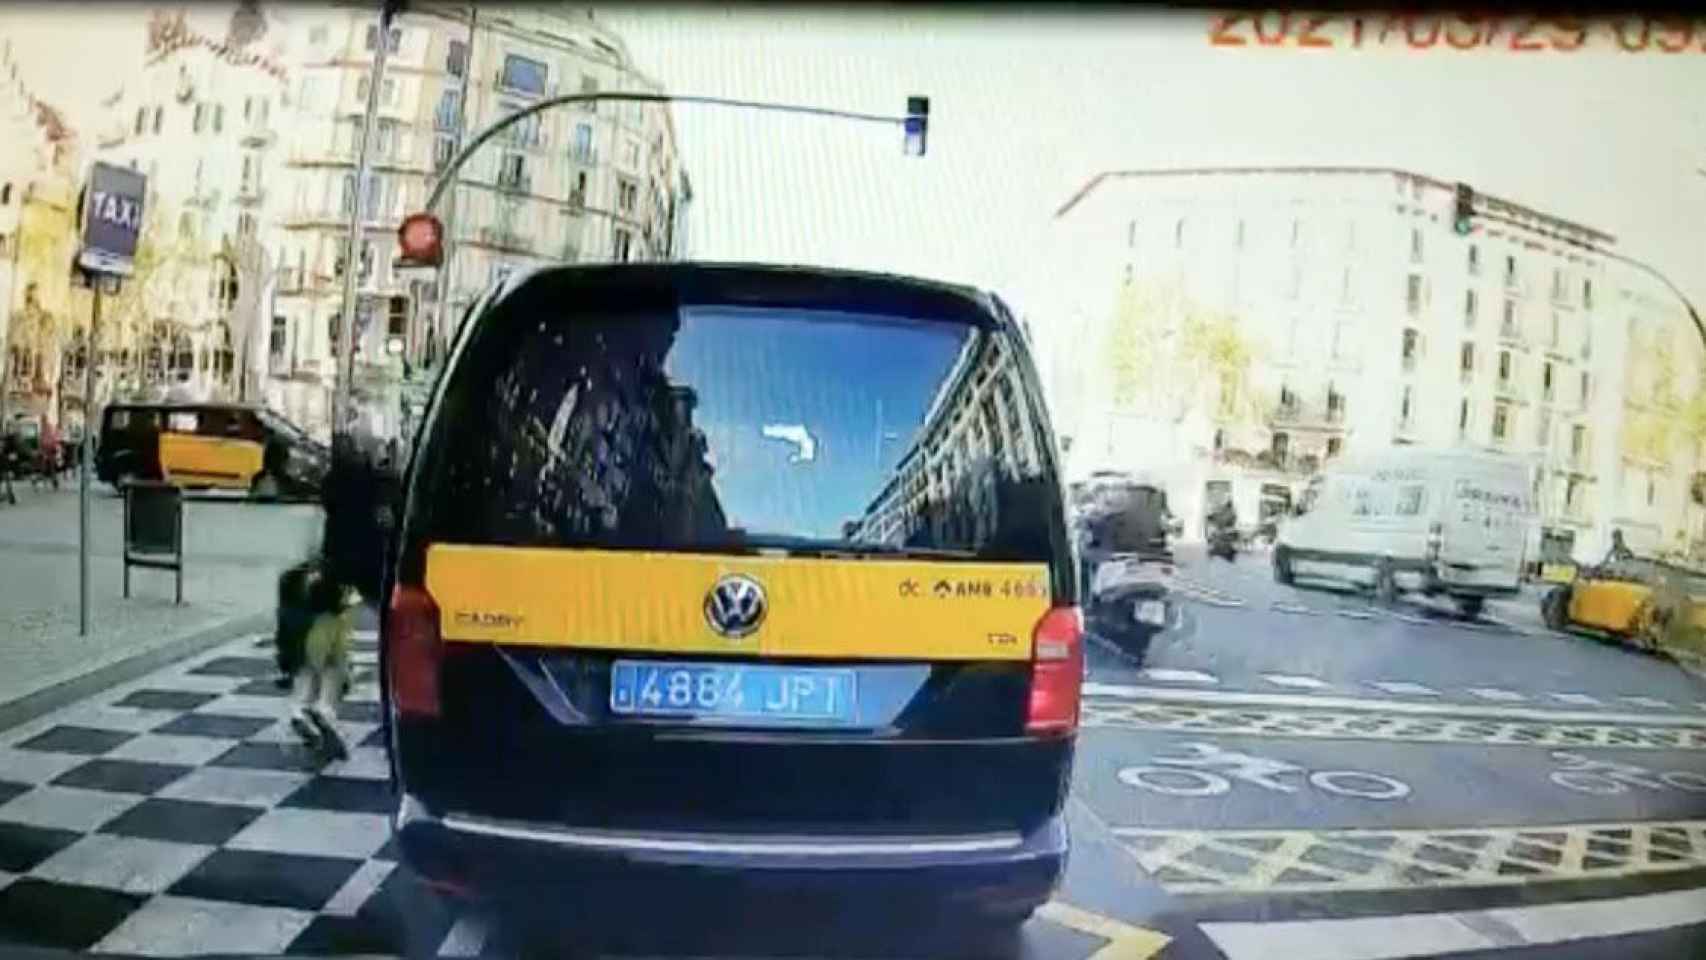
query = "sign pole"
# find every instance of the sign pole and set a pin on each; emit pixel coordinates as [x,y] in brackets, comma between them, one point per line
[87,454]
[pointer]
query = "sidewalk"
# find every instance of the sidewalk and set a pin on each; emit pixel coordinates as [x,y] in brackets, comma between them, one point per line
[233,552]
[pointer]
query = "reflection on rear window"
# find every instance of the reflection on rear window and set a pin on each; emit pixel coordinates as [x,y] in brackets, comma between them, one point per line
[720,427]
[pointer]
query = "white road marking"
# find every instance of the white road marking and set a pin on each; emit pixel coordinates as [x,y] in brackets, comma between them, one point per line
[1412,618]
[1355,614]
[1416,934]
[1179,676]
[1497,693]
[1290,680]
[1284,607]
[1640,701]
[1404,688]
[1316,701]
[1580,699]
[466,939]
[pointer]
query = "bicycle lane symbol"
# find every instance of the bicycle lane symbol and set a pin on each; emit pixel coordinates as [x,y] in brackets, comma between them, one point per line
[1605,778]
[1208,771]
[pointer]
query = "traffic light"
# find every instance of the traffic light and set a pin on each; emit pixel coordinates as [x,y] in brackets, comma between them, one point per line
[917,125]
[1463,216]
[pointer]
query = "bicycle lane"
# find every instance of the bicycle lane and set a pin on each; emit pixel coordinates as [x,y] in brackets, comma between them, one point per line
[1215,814]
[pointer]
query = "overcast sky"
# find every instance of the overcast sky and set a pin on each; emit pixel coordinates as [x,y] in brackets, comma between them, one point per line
[1026,107]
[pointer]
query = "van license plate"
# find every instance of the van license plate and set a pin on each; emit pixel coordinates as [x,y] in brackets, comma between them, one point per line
[1152,612]
[727,693]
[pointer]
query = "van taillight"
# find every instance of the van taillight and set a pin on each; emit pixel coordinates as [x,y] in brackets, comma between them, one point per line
[413,651]
[1057,672]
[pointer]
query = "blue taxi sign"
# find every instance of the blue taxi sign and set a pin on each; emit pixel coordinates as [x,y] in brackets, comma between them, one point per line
[112,206]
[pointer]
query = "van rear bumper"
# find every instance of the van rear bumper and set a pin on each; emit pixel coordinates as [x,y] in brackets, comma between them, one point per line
[993,873]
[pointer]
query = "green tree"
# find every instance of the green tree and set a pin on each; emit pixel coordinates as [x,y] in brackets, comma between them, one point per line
[1168,354]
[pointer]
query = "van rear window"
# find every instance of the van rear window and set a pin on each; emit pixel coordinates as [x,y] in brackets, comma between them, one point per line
[720,427]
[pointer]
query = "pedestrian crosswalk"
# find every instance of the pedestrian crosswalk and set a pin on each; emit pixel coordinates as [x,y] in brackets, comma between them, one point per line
[1180,676]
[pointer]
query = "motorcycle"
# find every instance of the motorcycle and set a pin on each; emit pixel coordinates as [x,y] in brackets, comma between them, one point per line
[1130,601]
[1223,542]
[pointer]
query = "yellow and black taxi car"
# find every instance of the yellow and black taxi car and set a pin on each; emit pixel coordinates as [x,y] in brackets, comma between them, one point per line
[735,581]
[209,445]
[1640,601]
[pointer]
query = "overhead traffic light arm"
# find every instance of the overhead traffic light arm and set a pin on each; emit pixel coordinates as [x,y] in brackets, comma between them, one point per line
[914,122]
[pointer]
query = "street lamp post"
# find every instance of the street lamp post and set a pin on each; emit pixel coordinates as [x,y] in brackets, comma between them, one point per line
[342,401]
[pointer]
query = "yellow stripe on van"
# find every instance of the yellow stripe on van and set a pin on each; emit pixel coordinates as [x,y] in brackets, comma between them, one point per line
[816,607]
[223,461]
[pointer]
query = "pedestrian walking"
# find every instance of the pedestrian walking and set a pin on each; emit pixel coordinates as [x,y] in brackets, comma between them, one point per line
[318,599]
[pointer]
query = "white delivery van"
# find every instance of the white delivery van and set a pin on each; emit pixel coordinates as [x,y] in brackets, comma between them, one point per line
[1441,522]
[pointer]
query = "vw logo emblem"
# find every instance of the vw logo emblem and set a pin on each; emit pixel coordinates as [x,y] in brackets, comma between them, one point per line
[735,606]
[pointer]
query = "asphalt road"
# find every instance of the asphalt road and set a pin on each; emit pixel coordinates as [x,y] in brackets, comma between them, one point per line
[1303,772]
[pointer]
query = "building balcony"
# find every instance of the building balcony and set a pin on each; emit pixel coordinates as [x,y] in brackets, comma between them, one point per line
[205,200]
[521,183]
[258,133]
[1409,362]
[504,239]
[1512,334]
[1404,428]
[249,194]
[577,200]
[1505,388]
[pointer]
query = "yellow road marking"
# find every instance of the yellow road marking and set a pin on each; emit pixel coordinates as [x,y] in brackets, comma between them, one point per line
[1125,942]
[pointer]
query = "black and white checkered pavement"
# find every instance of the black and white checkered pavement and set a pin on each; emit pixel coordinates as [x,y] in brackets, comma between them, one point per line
[178,814]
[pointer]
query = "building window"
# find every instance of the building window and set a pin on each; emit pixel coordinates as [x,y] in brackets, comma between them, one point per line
[1131,234]
[512,171]
[1578,440]
[1334,445]
[1510,269]
[1543,433]
[1501,422]
[1415,244]
[317,35]
[1179,233]
[141,119]
[361,85]
[347,205]
[159,118]
[523,75]
[626,196]
[1546,382]
[198,120]
[1463,415]
[1504,366]
[1296,232]
[589,85]
[1237,236]
[245,224]
[1584,388]
[581,147]
[393,39]
[1471,303]
[456,58]
[577,196]
[1412,348]
[1507,326]
[623,242]
[1474,260]
[1466,359]
[1413,293]
[443,151]
[631,154]
[278,338]
[388,92]
[1587,294]
[219,118]
[449,113]
[1405,404]
[385,143]
[1345,285]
